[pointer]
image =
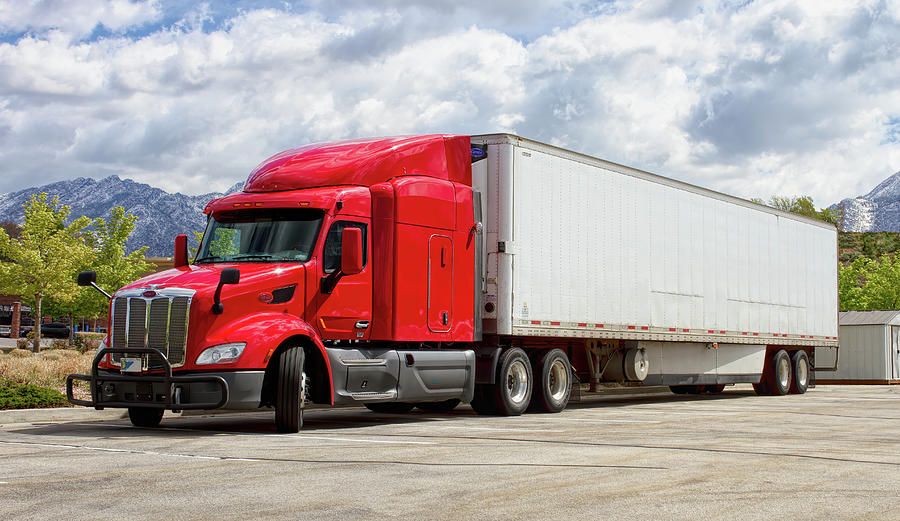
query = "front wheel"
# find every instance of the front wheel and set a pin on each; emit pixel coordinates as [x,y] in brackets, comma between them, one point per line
[289,396]
[145,416]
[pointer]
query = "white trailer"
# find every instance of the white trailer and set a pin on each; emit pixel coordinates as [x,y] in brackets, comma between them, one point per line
[663,282]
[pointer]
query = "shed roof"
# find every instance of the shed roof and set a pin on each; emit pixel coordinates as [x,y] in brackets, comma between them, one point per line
[869,318]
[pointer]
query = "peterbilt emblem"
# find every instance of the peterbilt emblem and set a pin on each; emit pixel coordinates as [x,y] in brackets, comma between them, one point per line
[149,294]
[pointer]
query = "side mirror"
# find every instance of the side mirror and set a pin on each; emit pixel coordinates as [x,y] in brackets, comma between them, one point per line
[87,278]
[181,252]
[351,251]
[228,276]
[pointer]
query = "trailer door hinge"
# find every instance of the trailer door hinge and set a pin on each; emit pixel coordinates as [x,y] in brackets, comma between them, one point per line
[506,247]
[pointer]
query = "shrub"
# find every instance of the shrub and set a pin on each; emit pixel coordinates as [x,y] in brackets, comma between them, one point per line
[14,395]
[23,343]
[20,353]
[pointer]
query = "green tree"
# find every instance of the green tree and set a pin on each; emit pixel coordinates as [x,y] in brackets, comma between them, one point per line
[44,260]
[870,284]
[106,240]
[804,205]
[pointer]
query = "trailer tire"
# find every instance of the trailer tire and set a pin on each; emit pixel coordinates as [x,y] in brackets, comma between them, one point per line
[288,414]
[515,383]
[780,374]
[483,401]
[444,406]
[555,385]
[800,380]
[389,407]
[145,416]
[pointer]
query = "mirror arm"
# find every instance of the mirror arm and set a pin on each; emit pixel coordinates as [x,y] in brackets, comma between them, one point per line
[98,288]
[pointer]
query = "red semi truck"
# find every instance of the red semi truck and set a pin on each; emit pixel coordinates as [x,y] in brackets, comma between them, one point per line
[432,270]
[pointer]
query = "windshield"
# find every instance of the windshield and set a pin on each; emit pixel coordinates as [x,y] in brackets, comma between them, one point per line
[260,235]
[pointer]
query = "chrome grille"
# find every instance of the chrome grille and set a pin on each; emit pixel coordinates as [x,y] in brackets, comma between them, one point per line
[159,321]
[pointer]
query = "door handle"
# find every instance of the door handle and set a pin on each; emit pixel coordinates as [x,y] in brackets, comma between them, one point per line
[362,324]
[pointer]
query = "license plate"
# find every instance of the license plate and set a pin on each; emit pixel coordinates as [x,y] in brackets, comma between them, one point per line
[131,365]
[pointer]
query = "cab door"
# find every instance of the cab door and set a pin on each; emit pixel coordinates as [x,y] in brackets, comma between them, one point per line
[440,283]
[345,312]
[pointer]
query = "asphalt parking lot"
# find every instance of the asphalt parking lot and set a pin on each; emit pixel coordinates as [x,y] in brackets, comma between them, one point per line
[833,453]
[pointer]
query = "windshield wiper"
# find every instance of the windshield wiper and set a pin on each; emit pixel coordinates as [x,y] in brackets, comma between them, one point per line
[252,256]
[208,257]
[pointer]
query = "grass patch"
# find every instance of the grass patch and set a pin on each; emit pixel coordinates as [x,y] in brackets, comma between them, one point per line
[14,395]
[47,369]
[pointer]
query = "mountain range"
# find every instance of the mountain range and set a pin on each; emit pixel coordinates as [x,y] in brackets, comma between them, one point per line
[163,215]
[160,215]
[877,211]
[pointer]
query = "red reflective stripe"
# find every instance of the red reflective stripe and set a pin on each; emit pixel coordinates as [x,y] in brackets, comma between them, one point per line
[536,322]
[744,333]
[709,331]
[644,328]
[554,323]
[721,332]
[685,330]
[582,324]
[671,329]
[755,334]
[630,327]
[598,325]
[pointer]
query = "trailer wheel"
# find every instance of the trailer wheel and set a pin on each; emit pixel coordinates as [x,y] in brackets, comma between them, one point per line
[483,401]
[288,414]
[800,382]
[444,406]
[145,416]
[512,392]
[780,376]
[555,385]
[389,407]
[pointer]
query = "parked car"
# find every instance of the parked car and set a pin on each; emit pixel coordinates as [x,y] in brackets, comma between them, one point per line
[55,329]
[5,330]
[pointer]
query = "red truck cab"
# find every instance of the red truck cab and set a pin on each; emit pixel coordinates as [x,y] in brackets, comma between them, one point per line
[339,275]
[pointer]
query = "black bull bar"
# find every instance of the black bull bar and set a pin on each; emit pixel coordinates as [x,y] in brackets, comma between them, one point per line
[95,378]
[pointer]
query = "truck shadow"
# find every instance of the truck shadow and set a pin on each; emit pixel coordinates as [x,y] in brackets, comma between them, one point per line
[324,420]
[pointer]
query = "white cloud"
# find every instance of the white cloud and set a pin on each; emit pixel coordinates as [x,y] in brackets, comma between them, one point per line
[781,97]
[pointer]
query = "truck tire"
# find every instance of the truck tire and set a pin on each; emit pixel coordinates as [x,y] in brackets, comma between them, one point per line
[483,401]
[780,375]
[389,407]
[288,414]
[800,380]
[515,382]
[554,384]
[145,416]
[444,406]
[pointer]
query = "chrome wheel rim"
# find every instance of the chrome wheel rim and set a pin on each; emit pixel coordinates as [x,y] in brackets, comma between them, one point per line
[517,382]
[784,372]
[802,372]
[559,380]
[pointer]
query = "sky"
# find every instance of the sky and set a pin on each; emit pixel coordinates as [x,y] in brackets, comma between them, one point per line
[750,98]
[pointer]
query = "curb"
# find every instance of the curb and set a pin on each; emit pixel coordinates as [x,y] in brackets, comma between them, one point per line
[11,416]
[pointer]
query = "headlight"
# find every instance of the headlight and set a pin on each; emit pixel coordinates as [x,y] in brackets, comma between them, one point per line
[221,354]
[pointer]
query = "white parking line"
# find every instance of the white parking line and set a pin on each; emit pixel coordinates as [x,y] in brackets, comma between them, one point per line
[330,438]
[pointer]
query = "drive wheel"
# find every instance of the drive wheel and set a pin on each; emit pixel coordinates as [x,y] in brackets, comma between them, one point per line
[800,363]
[780,377]
[555,385]
[389,407]
[444,406]
[145,416]
[288,414]
[512,392]
[483,401]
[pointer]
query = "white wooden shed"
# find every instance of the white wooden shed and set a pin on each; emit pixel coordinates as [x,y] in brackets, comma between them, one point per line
[869,349]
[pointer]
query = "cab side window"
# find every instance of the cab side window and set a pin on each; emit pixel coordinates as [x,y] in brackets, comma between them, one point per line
[332,253]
